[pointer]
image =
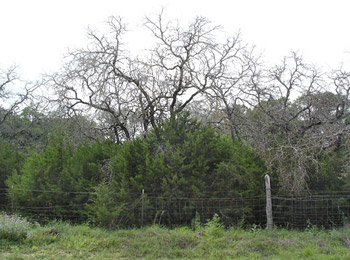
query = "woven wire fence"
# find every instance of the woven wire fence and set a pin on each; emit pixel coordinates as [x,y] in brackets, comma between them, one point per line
[303,211]
[171,211]
[136,209]
[312,209]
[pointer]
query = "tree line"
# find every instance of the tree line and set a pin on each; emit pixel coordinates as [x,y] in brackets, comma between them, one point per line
[192,115]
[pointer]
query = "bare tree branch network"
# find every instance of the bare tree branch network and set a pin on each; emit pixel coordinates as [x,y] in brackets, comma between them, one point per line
[291,113]
[13,93]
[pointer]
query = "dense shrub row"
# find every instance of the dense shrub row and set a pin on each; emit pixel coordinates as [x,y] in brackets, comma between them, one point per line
[182,158]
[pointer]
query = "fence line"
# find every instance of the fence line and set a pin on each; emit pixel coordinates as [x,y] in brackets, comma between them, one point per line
[303,211]
[5,191]
[327,209]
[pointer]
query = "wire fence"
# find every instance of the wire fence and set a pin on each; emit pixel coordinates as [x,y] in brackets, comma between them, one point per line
[177,211]
[322,210]
[141,209]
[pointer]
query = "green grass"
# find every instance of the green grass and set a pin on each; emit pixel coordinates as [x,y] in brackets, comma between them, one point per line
[63,241]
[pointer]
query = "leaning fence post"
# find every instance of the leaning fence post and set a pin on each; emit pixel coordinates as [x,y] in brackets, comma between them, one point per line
[268,203]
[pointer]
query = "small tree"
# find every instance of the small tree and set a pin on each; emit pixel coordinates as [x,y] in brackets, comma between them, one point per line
[61,175]
[180,159]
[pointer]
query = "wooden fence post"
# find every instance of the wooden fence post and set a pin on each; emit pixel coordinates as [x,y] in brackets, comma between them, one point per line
[142,206]
[12,195]
[268,203]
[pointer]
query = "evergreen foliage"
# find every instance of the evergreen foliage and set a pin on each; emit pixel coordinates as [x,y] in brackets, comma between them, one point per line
[180,159]
[11,160]
[60,175]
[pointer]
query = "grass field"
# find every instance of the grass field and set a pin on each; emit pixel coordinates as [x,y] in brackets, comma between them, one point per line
[64,241]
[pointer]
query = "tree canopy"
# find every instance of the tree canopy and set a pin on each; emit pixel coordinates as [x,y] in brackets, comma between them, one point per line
[191,116]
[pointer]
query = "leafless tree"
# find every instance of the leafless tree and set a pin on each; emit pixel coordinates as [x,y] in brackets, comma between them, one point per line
[189,60]
[341,111]
[226,92]
[291,113]
[130,95]
[296,113]
[8,105]
[93,82]
[13,92]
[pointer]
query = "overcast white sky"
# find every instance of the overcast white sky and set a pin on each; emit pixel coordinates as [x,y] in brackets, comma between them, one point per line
[35,34]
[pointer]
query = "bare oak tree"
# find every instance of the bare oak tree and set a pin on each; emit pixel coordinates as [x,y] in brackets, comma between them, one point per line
[13,92]
[290,113]
[226,92]
[130,95]
[296,114]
